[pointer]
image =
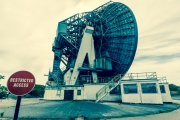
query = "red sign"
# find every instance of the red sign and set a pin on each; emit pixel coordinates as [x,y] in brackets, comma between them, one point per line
[21,83]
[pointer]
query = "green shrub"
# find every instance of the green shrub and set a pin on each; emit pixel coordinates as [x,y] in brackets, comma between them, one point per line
[27,96]
[178,90]
[173,87]
[12,96]
[3,95]
[38,91]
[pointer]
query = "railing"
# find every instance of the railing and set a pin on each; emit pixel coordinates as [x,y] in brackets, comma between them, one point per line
[70,82]
[162,80]
[86,65]
[107,88]
[104,79]
[138,76]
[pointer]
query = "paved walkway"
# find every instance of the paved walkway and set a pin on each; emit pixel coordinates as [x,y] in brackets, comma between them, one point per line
[174,115]
[41,109]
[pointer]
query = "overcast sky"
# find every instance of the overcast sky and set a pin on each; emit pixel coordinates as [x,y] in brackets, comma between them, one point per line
[28,28]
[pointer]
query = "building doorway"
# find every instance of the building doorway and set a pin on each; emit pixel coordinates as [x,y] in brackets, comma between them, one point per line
[68,94]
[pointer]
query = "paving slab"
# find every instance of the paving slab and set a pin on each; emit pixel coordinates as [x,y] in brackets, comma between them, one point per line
[42,109]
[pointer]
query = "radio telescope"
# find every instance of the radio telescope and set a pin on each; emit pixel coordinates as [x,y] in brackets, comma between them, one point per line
[93,45]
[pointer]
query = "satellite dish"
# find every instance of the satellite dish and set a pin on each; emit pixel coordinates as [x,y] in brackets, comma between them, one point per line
[115,39]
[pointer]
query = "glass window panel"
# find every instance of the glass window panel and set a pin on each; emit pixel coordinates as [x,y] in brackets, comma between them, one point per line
[149,88]
[78,92]
[130,88]
[162,88]
[116,90]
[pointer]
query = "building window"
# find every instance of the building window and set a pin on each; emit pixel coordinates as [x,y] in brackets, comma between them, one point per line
[130,88]
[116,90]
[78,92]
[149,88]
[162,88]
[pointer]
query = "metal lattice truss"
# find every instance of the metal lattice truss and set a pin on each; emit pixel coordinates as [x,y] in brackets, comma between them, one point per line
[115,33]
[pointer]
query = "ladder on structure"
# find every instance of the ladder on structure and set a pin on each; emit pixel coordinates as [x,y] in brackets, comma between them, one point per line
[108,88]
[56,80]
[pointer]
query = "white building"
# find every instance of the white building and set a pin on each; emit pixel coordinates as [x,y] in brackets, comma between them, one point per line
[165,92]
[133,88]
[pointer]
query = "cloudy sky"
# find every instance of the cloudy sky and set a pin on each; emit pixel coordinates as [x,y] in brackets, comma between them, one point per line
[28,28]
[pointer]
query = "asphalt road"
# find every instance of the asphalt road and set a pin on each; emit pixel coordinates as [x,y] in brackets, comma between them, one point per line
[174,115]
[41,109]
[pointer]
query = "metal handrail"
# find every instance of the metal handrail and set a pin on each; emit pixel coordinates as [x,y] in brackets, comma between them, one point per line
[108,87]
[162,80]
[136,76]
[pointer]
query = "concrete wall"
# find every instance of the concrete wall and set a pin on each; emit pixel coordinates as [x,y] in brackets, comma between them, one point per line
[90,91]
[54,94]
[139,97]
[51,94]
[151,98]
[166,97]
[79,97]
[130,98]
